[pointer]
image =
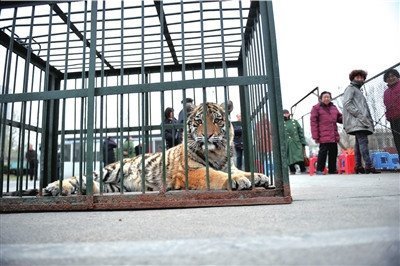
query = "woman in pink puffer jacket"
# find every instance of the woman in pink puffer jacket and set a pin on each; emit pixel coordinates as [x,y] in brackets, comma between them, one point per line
[324,119]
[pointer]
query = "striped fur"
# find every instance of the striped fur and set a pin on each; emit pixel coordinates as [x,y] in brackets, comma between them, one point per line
[71,186]
[215,145]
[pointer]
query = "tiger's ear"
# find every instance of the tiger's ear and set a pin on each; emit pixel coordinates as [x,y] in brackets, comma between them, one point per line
[222,109]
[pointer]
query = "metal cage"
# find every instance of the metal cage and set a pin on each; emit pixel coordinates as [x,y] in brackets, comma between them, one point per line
[76,72]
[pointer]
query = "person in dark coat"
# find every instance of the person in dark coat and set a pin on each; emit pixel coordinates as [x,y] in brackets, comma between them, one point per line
[238,141]
[188,104]
[32,159]
[295,143]
[138,149]
[324,118]
[357,120]
[108,151]
[391,99]
[171,133]
[128,148]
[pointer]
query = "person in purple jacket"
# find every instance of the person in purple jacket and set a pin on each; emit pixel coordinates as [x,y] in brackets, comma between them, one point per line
[324,119]
[391,98]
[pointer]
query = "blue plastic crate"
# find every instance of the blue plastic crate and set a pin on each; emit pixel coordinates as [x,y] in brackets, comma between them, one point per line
[382,161]
[394,158]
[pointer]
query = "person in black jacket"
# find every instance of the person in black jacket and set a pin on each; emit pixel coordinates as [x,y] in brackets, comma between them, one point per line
[31,158]
[108,151]
[188,104]
[238,141]
[138,149]
[171,133]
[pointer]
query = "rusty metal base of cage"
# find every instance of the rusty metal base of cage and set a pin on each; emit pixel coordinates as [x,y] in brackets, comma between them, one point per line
[139,201]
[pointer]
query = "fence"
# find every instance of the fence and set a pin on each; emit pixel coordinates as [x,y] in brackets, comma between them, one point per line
[77,72]
[373,89]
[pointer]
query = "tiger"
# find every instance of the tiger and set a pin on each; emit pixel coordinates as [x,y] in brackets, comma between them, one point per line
[211,140]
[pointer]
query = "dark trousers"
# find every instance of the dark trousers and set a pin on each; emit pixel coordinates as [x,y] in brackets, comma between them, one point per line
[32,170]
[293,168]
[239,158]
[329,150]
[395,126]
[361,150]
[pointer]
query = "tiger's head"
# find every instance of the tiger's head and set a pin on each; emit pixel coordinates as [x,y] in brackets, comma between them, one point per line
[214,134]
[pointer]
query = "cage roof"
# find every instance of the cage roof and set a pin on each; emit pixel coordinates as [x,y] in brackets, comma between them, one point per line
[132,35]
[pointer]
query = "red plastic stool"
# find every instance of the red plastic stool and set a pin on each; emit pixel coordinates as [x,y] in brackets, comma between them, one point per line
[313,166]
[313,163]
[346,162]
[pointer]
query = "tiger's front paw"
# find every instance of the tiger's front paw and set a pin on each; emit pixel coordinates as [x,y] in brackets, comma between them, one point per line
[261,180]
[68,187]
[52,189]
[240,182]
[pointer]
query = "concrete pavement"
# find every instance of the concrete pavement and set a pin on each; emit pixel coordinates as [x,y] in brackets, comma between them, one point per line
[333,220]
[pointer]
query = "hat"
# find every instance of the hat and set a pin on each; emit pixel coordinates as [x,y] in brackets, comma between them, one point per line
[285,111]
[187,100]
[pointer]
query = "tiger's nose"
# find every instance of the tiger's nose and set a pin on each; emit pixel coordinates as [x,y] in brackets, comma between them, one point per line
[210,135]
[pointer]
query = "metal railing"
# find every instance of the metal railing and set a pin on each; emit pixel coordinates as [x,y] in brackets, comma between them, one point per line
[373,89]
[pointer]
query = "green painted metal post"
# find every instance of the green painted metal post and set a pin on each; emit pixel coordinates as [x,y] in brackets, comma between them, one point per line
[271,56]
[244,101]
[6,81]
[90,100]
[49,143]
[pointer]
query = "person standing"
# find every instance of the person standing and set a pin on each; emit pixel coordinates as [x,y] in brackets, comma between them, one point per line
[171,133]
[391,99]
[357,120]
[295,143]
[108,151]
[188,104]
[238,131]
[238,141]
[138,149]
[31,158]
[323,120]
[128,148]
